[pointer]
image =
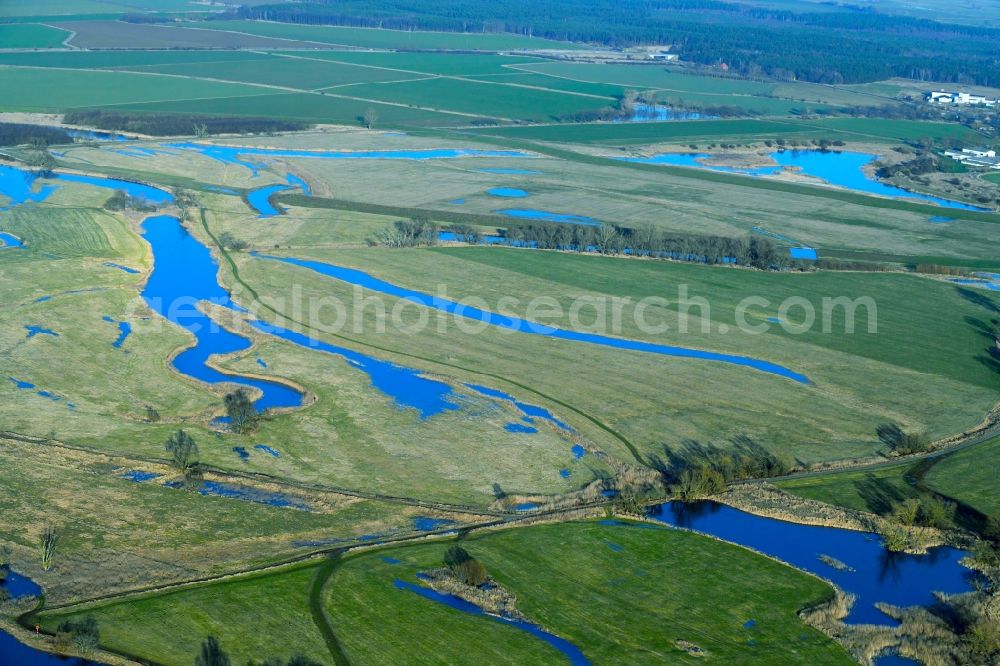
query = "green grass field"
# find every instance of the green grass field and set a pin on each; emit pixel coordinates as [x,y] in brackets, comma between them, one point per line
[701,131]
[122,59]
[91,34]
[58,90]
[662,405]
[481,99]
[576,580]
[680,87]
[617,592]
[71,7]
[335,107]
[253,617]
[31,36]
[874,491]
[992,177]
[970,476]
[297,73]
[445,64]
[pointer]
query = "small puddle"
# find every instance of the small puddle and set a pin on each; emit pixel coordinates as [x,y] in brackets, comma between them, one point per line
[232,154]
[264,448]
[548,216]
[508,192]
[126,269]
[124,330]
[39,330]
[9,241]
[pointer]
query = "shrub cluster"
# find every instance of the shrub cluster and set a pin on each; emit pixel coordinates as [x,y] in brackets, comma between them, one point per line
[466,568]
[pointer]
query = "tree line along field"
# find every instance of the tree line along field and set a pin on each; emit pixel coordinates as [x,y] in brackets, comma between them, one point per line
[574,579]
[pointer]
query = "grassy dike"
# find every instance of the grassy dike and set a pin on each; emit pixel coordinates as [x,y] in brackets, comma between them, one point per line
[621,593]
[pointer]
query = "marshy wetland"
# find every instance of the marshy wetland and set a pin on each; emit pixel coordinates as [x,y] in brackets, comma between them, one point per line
[330,350]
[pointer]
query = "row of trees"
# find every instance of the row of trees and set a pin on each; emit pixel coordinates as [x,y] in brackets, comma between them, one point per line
[39,136]
[644,241]
[647,241]
[414,232]
[178,124]
[700,470]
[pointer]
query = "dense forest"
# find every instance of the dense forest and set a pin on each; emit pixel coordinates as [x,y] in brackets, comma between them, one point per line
[845,45]
[171,124]
[17,134]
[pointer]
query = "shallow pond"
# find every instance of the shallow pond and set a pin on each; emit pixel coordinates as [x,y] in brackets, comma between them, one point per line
[21,186]
[507,192]
[877,575]
[642,113]
[124,330]
[9,241]
[15,653]
[843,169]
[233,154]
[548,216]
[260,200]
[362,279]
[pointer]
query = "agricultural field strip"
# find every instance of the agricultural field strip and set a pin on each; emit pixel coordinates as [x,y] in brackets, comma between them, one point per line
[186,28]
[524,68]
[422,75]
[283,89]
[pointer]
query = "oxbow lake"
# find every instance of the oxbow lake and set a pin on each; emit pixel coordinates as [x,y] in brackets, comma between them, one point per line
[898,579]
[843,169]
[362,279]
